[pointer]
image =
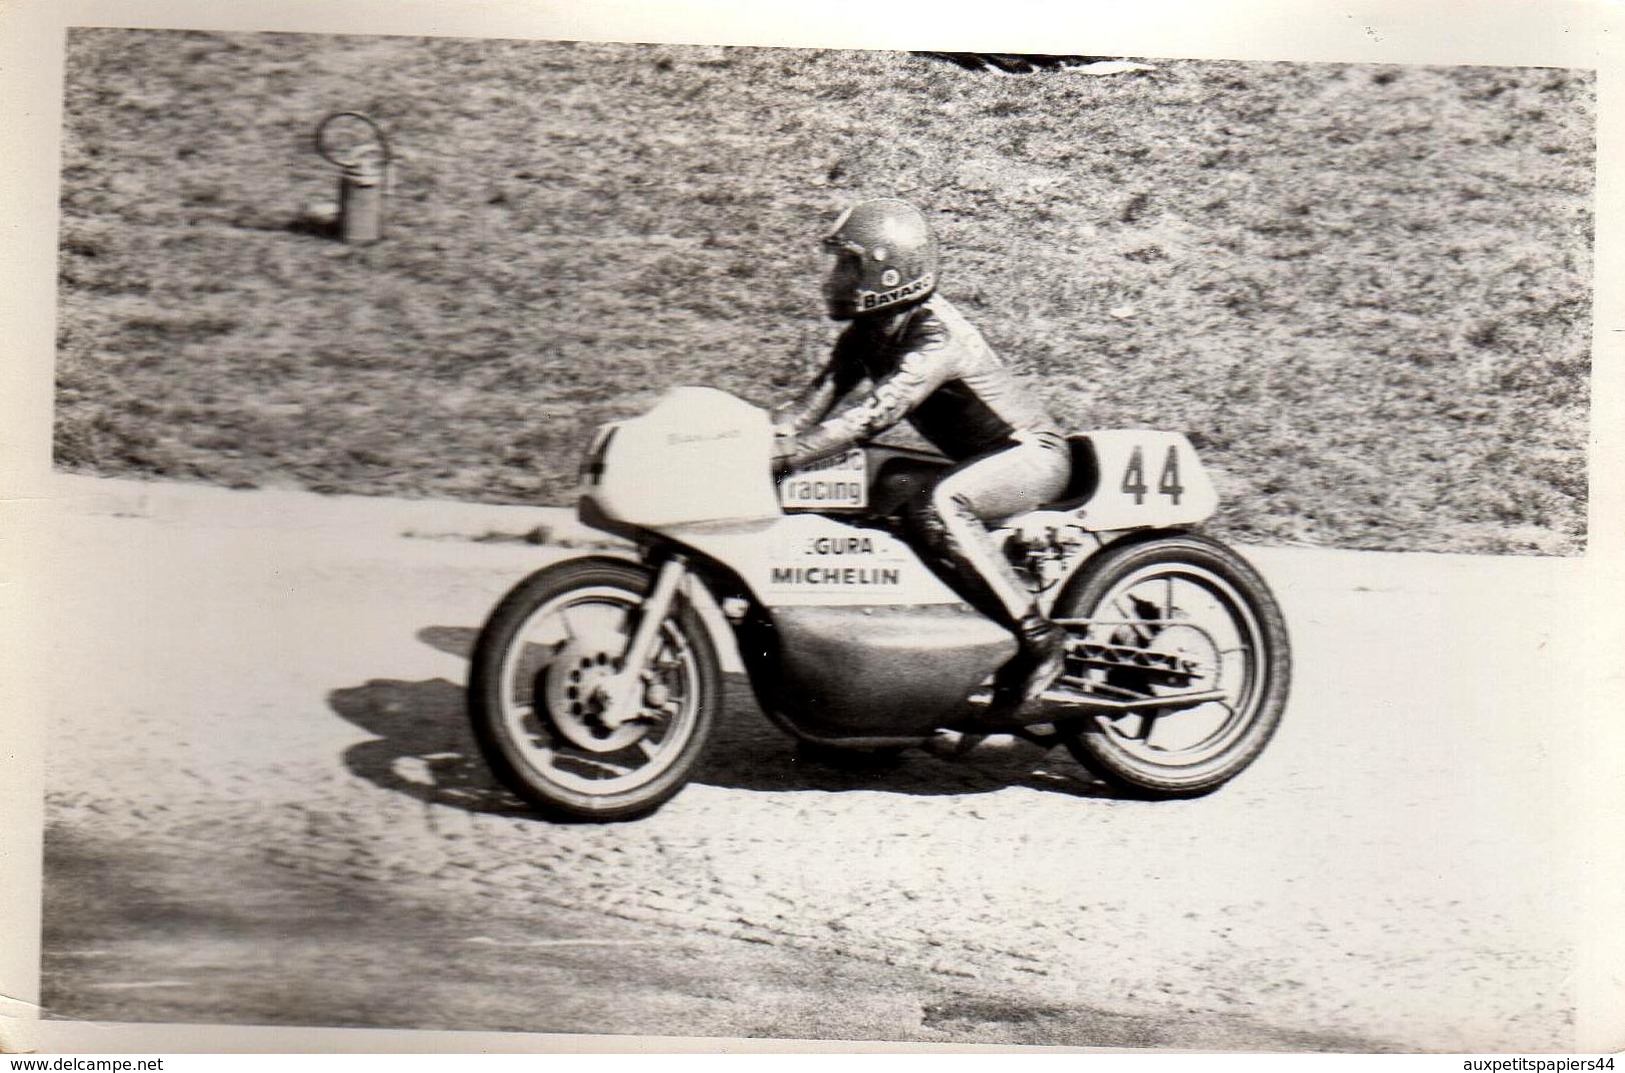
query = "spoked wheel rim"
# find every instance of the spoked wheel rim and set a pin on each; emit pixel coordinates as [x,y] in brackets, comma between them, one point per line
[1204,623]
[550,697]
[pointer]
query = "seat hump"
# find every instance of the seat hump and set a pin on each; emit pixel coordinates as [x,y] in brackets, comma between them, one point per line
[1085,476]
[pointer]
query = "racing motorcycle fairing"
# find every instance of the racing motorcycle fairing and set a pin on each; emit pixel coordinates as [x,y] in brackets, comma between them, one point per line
[851,634]
[812,560]
[847,673]
[699,455]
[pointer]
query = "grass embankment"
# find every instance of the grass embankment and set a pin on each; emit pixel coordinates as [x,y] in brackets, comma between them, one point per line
[1364,291]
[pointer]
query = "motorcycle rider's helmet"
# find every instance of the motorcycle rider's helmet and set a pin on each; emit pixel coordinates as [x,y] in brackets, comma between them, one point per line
[885,256]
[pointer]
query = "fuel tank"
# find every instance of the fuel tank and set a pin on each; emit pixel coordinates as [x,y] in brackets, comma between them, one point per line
[853,672]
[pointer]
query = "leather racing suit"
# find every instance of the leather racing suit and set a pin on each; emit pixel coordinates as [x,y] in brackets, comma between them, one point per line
[930,365]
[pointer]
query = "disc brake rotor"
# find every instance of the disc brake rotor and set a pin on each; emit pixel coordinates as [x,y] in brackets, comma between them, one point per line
[575,691]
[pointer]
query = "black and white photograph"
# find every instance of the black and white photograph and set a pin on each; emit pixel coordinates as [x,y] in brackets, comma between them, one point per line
[574,536]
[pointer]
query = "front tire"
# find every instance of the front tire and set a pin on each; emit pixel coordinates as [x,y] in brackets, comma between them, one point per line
[1194,599]
[532,702]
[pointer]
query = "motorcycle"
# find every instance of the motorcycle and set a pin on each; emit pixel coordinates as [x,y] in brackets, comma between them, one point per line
[595,682]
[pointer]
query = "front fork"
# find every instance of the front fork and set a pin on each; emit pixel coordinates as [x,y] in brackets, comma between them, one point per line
[623,691]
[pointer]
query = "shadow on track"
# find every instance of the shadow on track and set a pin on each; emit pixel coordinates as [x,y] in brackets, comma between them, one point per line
[748,752]
[423,747]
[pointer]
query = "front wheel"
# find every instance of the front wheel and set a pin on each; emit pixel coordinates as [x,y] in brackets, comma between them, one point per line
[537,689]
[1174,617]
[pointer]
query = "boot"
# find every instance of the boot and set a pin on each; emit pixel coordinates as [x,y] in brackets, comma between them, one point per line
[1034,667]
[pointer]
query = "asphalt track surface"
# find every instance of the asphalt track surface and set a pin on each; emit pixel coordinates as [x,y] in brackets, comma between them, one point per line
[263,807]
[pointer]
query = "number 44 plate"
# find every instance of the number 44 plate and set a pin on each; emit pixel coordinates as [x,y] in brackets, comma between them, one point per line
[1147,478]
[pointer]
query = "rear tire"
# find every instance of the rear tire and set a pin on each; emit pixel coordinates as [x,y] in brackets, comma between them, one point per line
[1192,596]
[531,697]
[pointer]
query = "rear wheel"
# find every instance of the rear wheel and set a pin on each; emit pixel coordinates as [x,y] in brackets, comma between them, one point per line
[537,694]
[1170,617]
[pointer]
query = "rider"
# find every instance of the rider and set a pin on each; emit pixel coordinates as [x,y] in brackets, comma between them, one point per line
[928,363]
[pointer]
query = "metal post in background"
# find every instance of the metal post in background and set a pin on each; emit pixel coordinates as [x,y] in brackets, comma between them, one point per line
[357,146]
